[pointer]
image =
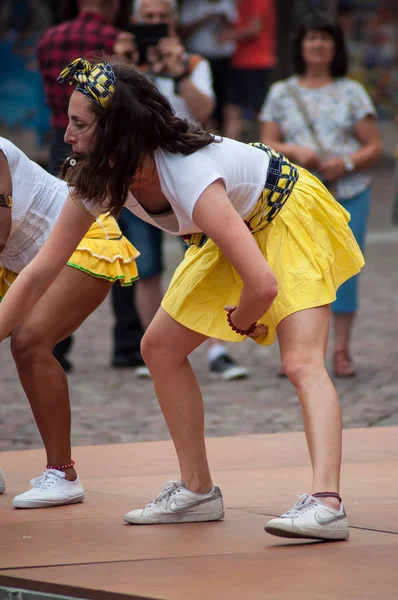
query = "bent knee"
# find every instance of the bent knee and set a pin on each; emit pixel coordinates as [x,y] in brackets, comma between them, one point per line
[298,366]
[152,346]
[156,348]
[25,340]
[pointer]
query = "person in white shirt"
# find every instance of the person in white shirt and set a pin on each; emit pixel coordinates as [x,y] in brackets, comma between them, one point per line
[186,80]
[31,201]
[269,246]
[201,25]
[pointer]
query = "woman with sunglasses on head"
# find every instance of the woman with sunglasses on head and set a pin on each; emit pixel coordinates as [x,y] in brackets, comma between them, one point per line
[269,246]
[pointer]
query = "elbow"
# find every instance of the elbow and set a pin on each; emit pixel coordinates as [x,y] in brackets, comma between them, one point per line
[269,289]
[272,291]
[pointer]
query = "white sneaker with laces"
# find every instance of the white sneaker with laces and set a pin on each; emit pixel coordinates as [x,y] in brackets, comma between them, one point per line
[50,489]
[311,519]
[2,482]
[177,504]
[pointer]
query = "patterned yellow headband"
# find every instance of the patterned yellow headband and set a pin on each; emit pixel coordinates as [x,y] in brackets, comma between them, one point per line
[97,82]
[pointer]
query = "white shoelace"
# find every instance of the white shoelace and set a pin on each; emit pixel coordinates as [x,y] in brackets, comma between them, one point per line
[304,503]
[45,480]
[168,488]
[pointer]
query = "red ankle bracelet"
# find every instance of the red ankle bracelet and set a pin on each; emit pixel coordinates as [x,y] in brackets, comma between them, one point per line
[61,467]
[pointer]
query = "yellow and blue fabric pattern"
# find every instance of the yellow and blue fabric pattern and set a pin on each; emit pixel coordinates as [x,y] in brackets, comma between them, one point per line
[303,233]
[97,81]
[103,253]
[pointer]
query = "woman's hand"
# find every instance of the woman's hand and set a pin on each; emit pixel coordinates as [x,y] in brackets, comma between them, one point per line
[307,158]
[167,57]
[333,168]
[260,329]
[125,47]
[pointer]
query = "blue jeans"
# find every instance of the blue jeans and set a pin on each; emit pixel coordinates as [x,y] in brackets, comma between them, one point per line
[148,240]
[347,300]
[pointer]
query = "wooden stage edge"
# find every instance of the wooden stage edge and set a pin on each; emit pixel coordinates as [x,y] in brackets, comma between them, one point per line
[86,551]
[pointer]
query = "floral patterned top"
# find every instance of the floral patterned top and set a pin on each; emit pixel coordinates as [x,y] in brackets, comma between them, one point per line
[334,109]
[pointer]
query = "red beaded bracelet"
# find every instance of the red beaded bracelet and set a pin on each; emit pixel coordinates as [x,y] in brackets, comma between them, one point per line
[240,331]
[61,467]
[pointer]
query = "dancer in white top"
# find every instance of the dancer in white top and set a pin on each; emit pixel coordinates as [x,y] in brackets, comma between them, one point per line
[30,203]
[269,248]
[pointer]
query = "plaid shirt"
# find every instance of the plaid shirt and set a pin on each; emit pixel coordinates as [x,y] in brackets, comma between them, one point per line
[63,43]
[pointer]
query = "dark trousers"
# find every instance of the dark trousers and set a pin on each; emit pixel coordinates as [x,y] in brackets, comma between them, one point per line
[128,330]
[59,151]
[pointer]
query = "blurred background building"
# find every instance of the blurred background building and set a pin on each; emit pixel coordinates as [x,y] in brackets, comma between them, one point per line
[371,27]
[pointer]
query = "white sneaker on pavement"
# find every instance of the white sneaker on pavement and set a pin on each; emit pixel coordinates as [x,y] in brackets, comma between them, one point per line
[226,368]
[2,482]
[177,504]
[142,372]
[50,489]
[311,519]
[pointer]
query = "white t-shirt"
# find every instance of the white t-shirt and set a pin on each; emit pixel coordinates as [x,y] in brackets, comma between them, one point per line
[204,40]
[242,168]
[202,79]
[37,200]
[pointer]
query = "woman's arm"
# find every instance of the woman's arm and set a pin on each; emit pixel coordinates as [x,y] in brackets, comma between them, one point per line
[367,133]
[5,192]
[36,278]
[217,218]
[272,136]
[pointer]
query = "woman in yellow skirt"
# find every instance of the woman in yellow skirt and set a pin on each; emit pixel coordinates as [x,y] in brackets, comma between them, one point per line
[30,202]
[269,248]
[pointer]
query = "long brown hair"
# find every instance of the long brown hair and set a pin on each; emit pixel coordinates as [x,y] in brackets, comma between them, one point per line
[137,121]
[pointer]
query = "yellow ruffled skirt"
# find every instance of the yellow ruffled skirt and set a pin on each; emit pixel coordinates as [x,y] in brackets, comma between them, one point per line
[308,245]
[103,252]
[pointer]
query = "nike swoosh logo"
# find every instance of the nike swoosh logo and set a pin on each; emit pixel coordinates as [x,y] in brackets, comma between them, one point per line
[175,507]
[328,520]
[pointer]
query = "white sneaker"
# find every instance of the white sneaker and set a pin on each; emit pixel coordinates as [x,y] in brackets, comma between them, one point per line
[2,482]
[50,489]
[226,368]
[142,372]
[309,518]
[176,504]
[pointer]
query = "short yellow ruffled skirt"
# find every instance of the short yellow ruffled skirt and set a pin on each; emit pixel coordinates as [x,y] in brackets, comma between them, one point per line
[103,252]
[309,247]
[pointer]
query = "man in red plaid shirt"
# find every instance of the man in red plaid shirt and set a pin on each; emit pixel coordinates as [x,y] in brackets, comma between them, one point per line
[91,31]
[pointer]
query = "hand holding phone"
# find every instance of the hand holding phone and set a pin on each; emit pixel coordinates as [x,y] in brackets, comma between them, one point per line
[147,35]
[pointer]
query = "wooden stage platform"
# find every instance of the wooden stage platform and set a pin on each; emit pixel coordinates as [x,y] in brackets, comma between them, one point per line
[86,550]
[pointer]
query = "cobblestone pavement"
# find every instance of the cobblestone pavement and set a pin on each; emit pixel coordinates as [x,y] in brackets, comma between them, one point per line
[112,406]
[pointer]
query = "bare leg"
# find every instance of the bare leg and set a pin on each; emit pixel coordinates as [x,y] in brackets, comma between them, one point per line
[165,348]
[148,298]
[67,303]
[343,324]
[302,338]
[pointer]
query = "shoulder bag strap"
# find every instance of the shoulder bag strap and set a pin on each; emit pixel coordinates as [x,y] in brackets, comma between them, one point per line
[295,94]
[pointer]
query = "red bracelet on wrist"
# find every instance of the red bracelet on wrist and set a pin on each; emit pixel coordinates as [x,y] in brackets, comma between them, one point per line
[236,329]
[61,467]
